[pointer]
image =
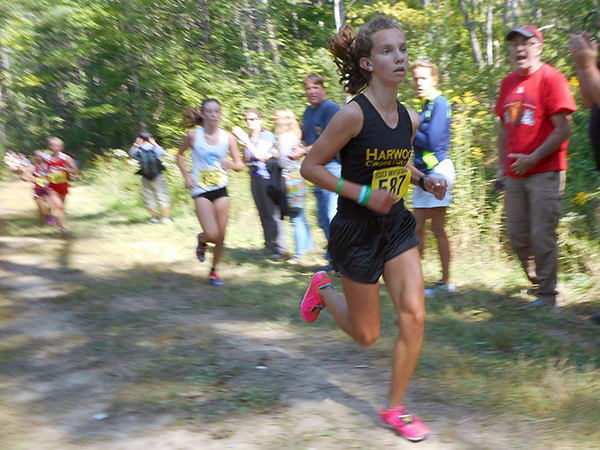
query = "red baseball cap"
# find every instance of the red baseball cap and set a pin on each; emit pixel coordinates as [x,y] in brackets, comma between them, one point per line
[527,31]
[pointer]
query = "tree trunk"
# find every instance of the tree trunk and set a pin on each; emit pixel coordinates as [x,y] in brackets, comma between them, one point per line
[338,11]
[249,66]
[5,98]
[204,21]
[273,41]
[477,55]
[490,46]
[138,96]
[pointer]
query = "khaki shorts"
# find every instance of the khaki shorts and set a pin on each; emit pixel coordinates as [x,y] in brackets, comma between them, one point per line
[155,192]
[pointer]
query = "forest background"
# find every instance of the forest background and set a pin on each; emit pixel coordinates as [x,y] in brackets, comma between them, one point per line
[95,72]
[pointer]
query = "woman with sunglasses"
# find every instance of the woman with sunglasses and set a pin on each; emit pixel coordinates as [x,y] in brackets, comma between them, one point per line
[259,147]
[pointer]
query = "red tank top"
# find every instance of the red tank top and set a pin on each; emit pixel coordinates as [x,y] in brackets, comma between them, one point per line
[56,173]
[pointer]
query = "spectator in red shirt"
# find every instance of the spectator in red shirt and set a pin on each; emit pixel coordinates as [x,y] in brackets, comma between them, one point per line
[534,107]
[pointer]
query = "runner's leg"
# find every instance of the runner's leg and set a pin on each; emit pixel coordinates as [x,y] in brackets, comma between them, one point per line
[438,223]
[421,214]
[222,215]
[404,279]
[59,207]
[359,313]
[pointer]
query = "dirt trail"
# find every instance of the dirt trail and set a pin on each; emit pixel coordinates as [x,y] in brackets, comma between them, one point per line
[49,394]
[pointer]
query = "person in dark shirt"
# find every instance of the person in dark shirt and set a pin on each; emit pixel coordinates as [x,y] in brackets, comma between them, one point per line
[585,52]
[317,116]
[373,234]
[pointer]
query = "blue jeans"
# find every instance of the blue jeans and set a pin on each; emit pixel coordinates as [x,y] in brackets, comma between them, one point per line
[302,236]
[327,202]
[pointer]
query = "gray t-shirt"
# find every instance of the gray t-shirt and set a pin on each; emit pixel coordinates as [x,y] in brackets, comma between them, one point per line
[286,143]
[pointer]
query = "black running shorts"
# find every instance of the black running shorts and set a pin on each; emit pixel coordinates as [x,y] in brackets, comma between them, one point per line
[360,247]
[213,195]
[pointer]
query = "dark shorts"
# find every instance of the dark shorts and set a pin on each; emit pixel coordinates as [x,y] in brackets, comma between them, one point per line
[39,191]
[213,195]
[361,247]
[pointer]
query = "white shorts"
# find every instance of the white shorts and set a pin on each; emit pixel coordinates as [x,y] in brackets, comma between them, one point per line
[422,199]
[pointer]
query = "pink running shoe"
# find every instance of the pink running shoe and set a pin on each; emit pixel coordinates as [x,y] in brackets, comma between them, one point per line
[311,305]
[407,425]
[51,221]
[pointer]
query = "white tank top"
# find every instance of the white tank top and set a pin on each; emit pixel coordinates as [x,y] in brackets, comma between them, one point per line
[206,168]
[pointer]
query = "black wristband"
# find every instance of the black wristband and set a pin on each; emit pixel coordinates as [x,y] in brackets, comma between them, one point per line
[422,182]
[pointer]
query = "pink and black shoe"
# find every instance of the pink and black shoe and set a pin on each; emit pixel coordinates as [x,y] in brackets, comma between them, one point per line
[311,304]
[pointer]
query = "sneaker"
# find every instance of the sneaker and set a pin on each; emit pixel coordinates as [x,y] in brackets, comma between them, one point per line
[64,231]
[440,287]
[51,221]
[311,305]
[201,248]
[215,280]
[153,220]
[166,220]
[407,425]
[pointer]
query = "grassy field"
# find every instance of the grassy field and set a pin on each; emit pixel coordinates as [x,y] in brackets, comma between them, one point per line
[137,312]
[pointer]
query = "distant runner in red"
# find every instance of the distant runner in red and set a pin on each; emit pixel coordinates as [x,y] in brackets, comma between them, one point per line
[60,168]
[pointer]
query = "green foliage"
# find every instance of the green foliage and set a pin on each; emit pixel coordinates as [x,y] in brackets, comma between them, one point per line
[94,73]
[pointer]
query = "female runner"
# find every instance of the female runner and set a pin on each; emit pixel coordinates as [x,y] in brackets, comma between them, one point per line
[373,234]
[208,180]
[60,167]
[431,157]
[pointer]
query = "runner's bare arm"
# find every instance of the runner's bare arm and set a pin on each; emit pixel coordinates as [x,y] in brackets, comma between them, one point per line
[238,163]
[71,166]
[187,143]
[345,125]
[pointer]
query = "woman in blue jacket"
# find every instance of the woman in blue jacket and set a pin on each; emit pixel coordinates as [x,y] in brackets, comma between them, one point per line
[431,145]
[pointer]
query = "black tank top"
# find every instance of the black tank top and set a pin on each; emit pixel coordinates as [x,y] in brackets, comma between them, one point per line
[377,146]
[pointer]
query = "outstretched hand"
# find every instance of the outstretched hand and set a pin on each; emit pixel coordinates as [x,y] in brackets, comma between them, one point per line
[584,50]
[241,135]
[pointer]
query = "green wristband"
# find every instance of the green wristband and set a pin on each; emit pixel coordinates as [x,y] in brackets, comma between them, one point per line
[339,189]
[367,196]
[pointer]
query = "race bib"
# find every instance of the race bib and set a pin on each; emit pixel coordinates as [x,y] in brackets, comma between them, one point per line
[209,178]
[41,181]
[57,177]
[393,179]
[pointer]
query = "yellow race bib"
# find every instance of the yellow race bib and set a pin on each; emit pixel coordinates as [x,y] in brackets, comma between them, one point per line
[209,178]
[57,177]
[393,179]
